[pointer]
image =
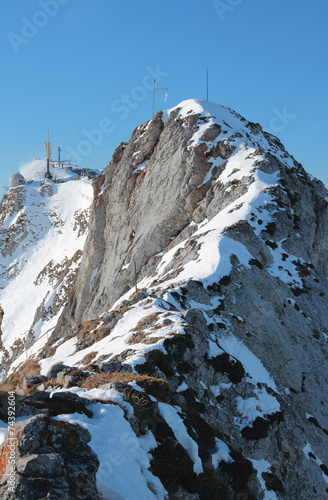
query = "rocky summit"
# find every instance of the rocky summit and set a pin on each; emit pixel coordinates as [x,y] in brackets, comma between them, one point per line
[164,325]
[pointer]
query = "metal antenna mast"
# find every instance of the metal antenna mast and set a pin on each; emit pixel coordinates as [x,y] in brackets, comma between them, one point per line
[154,91]
[207,85]
[59,150]
[48,154]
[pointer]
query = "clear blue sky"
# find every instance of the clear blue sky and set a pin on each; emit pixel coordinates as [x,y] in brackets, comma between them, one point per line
[86,65]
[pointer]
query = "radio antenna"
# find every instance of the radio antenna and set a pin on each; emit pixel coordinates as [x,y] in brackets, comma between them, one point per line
[154,91]
[207,84]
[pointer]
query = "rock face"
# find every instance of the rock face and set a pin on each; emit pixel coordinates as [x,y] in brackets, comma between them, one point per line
[162,185]
[53,460]
[221,353]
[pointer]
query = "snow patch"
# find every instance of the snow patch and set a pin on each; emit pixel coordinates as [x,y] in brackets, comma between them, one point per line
[250,362]
[311,456]
[263,466]
[171,416]
[220,453]
[260,405]
[214,350]
[182,387]
[121,455]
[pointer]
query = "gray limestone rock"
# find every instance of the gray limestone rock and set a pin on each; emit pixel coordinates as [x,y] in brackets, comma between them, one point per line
[47,464]
[143,201]
[115,367]
[52,460]
[55,369]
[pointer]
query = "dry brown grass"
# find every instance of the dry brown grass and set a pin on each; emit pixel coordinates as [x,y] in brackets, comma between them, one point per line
[88,332]
[153,340]
[16,344]
[28,369]
[102,332]
[48,350]
[134,397]
[94,381]
[87,329]
[144,338]
[120,312]
[88,358]
[157,387]
[146,322]
[81,219]
[57,272]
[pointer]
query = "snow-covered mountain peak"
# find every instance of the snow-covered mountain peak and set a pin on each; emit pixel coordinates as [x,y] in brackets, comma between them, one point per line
[211,169]
[36,169]
[190,336]
[214,113]
[224,124]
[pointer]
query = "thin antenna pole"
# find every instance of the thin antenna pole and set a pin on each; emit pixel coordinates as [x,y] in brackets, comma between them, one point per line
[48,153]
[154,92]
[48,158]
[207,85]
[154,98]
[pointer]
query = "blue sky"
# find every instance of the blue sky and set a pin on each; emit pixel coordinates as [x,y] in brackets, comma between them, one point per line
[86,67]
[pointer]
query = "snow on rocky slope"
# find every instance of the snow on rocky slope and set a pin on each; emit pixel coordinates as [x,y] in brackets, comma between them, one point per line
[192,347]
[43,230]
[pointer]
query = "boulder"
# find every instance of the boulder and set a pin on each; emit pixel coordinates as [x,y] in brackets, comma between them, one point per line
[55,369]
[53,461]
[115,366]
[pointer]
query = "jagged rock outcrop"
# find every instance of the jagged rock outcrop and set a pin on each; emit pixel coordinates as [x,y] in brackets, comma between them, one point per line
[52,460]
[12,205]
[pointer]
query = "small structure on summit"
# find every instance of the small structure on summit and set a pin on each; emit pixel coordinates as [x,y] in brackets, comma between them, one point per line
[16,180]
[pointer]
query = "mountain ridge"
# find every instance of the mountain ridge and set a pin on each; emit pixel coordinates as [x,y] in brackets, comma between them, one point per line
[205,161]
[201,293]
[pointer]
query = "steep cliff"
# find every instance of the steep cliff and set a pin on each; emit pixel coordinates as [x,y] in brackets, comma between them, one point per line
[178,171]
[197,326]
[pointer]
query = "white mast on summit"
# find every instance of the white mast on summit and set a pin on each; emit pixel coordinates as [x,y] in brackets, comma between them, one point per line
[47,146]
